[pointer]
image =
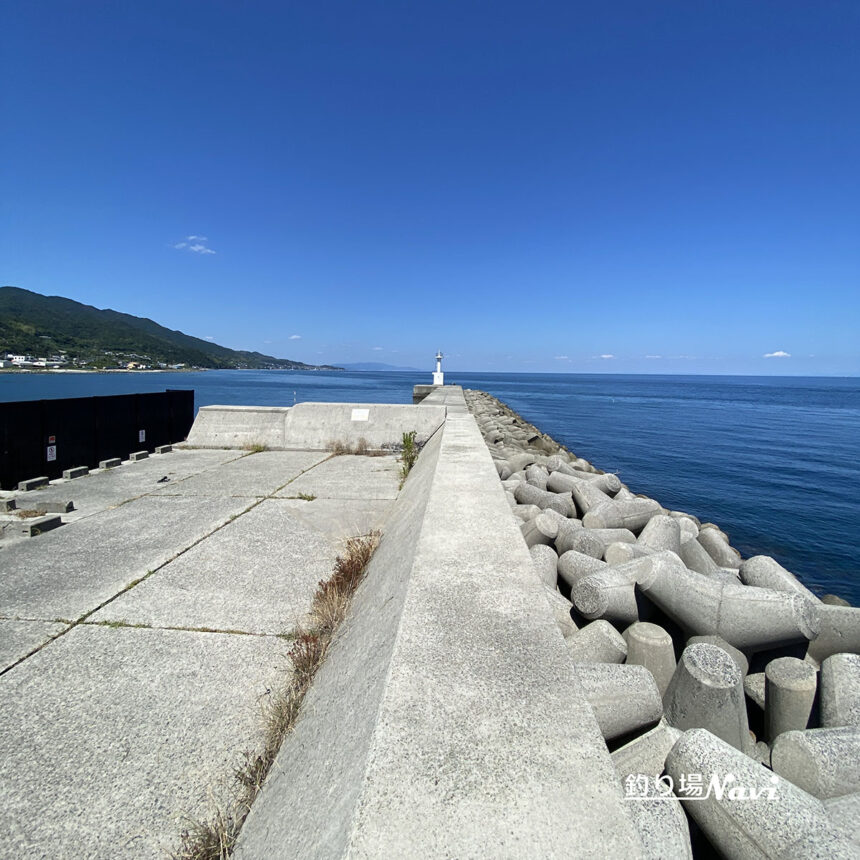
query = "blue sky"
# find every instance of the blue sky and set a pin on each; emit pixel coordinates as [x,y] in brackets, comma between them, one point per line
[575,187]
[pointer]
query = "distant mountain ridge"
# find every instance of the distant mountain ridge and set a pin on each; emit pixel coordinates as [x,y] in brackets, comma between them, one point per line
[376,365]
[31,323]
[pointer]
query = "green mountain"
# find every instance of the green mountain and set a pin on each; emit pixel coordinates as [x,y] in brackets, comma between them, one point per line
[38,325]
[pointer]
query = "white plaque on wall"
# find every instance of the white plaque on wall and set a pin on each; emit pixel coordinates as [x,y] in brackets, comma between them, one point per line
[360,414]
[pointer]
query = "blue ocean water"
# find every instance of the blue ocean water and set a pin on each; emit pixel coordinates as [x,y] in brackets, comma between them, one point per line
[775,461]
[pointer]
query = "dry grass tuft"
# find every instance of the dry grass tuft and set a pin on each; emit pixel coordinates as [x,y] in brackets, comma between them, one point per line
[29,514]
[215,839]
[361,448]
[255,448]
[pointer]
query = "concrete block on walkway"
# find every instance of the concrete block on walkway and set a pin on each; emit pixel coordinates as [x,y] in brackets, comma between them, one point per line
[37,525]
[824,762]
[7,505]
[33,484]
[110,463]
[163,449]
[76,472]
[138,455]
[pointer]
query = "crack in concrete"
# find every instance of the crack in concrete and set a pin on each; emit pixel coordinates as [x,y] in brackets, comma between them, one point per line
[82,620]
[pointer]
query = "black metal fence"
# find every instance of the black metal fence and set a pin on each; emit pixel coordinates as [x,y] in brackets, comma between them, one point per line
[44,437]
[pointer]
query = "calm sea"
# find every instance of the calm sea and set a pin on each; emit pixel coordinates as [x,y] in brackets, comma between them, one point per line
[774,461]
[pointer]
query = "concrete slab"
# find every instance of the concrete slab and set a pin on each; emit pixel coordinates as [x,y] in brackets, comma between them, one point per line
[339,519]
[252,476]
[111,737]
[104,489]
[349,477]
[19,638]
[257,574]
[71,571]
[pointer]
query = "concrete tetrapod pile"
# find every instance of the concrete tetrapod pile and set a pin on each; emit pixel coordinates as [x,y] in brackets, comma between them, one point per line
[727,692]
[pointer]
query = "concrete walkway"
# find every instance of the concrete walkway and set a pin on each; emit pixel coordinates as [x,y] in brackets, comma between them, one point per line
[138,642]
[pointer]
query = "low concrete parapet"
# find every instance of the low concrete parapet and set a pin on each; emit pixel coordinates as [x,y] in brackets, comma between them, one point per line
[313,426]
[138,455]
[110,463]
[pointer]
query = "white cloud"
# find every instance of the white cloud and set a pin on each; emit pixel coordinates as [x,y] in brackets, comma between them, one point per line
[562,358]
[778,354]
[653,356]
[209,337]
[377,348]
[607,355]
[195,244]
[295,337]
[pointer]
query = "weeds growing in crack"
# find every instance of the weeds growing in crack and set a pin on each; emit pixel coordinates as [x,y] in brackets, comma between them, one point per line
[215,838]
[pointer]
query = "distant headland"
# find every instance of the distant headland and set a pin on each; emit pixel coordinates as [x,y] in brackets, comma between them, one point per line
[52,332]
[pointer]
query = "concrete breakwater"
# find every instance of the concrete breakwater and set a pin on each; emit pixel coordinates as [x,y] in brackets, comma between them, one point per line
[726,691]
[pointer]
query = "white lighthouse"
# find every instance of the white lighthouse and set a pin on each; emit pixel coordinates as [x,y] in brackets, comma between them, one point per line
[438,376]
